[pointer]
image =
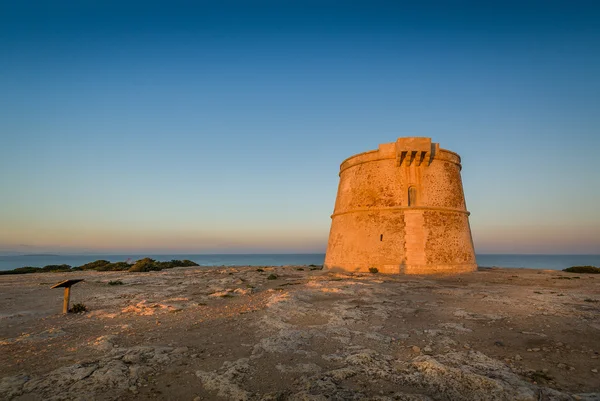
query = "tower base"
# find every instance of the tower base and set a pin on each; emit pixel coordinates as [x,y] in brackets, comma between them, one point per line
[412,269]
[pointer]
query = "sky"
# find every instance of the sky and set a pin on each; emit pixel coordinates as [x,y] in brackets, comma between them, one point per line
[219,127]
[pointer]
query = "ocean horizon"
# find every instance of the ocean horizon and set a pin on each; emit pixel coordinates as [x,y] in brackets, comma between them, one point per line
[532,261]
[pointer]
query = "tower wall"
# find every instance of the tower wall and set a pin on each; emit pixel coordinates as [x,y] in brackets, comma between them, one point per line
[376,223]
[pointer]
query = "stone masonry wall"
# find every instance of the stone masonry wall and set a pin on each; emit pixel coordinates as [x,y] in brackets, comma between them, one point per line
[373,224]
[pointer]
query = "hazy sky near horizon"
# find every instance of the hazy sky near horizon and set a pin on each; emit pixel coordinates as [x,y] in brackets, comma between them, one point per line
[219,126]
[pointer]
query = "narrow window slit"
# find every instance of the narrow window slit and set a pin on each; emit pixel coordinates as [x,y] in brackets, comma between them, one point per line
[412,196]
[381,237]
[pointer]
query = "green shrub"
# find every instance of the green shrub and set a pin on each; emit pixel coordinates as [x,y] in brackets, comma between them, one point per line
[56,268]
[107,268]
[104,266]
[23,270]
[260,270]
[144,265]
[115,282]
[96,265]
[583,269]
[78,308]
[117,266]
[164,265]
[147,264]
[373,270]
[272,277]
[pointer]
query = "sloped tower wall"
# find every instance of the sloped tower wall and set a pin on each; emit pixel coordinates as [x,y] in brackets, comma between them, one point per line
[401,209]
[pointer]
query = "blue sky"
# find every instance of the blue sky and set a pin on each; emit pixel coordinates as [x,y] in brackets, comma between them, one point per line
[191,127]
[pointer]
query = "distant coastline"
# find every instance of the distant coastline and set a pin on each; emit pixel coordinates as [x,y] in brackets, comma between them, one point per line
[551,262]
[39,254]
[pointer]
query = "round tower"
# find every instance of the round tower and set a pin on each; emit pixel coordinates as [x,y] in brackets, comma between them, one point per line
[401,209]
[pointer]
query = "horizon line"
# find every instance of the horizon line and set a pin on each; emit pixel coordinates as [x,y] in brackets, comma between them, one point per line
[11,253]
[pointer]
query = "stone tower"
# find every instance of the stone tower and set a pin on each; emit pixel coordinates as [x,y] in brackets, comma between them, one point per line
[401,208]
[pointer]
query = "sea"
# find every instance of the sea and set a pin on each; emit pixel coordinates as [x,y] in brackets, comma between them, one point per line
[552,262]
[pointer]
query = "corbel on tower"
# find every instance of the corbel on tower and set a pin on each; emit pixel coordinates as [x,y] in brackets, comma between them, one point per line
[414,150]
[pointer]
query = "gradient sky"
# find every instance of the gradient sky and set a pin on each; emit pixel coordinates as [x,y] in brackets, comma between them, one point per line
[210,127]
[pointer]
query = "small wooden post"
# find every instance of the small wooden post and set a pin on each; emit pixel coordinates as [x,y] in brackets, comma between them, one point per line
[66,300]
[67,286]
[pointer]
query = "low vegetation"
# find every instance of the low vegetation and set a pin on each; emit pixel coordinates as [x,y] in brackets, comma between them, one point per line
[78,308]
[32,269]
[540,376]
[97,265]
[142,265]
[272,277]
[373,270]
[115,282]
[56,268]
[583,269]
[23,270]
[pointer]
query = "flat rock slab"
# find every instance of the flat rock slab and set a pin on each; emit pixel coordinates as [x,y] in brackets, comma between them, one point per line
[231,333]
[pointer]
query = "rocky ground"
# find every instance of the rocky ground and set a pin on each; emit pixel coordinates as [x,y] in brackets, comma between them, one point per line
[233,333]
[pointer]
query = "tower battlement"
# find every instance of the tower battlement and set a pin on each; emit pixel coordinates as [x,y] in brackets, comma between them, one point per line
[401,209]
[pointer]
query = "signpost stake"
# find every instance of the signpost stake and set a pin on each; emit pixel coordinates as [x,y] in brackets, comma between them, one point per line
[66,300]
[67,286]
